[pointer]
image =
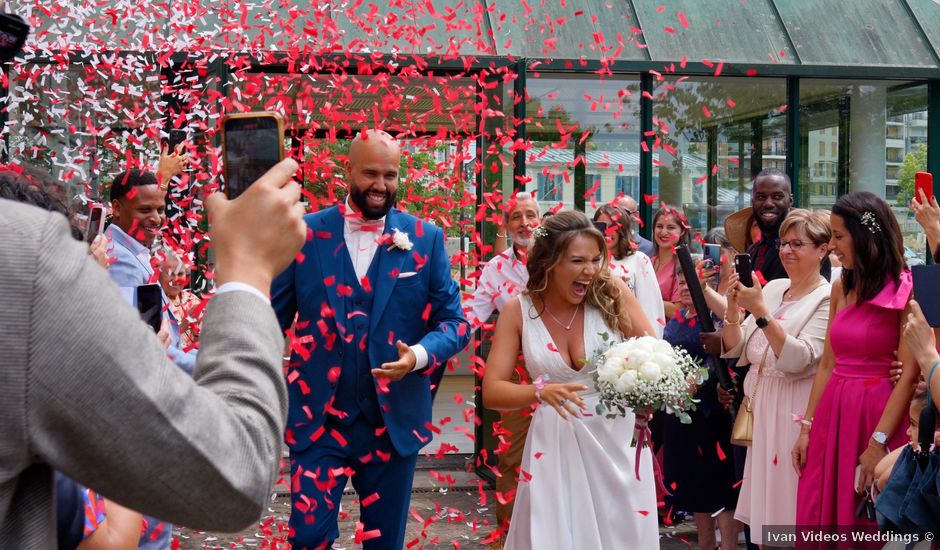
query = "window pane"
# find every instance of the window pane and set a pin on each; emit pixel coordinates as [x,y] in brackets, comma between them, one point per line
[582,131]
[85,125]
[875,139]
[713,135]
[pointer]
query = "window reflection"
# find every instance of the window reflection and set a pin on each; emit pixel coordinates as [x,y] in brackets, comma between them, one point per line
[713,135]
[585,140]
[864,136]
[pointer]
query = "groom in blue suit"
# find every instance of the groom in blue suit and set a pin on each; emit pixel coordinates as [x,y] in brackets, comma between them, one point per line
[377,317]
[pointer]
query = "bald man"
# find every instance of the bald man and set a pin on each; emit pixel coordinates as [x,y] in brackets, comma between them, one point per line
[377,317]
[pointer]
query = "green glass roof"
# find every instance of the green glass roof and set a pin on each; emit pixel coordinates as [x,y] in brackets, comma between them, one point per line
[860,32]
[817,33]
[725,30]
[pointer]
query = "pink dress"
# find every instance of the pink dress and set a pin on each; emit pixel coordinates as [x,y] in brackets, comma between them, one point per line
[768,490]
[863,338]
[668,281]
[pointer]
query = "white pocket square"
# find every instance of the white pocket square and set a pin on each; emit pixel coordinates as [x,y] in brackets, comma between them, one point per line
[407,274]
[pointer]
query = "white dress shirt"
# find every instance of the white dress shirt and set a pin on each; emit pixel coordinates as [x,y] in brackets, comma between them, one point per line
[638,272]
[362,238]
[362,242]
[503,277]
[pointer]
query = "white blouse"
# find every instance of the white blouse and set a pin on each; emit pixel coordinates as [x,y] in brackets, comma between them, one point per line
[638,272]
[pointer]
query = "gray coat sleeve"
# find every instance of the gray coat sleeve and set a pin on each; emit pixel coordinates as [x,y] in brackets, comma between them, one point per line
[108,408]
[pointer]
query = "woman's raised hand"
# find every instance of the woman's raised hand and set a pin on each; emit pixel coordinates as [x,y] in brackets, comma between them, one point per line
[564,398]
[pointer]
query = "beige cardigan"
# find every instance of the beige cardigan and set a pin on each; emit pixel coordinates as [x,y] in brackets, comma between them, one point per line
[805,323]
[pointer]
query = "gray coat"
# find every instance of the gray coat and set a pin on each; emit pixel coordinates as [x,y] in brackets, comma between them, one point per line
[86,388]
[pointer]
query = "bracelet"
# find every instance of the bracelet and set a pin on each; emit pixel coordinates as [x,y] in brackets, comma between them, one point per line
[540,384]
[503,235]
[807,422]
[730,324]
[930,374]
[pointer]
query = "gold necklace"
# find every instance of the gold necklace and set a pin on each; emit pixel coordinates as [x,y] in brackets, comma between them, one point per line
[562,325]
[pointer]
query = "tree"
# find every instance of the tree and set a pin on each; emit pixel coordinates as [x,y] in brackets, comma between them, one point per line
[914,161]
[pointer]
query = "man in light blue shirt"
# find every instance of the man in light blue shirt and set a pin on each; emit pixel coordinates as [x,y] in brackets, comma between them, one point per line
[138,213]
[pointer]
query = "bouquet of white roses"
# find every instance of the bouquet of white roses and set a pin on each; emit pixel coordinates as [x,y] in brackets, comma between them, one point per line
[646,373]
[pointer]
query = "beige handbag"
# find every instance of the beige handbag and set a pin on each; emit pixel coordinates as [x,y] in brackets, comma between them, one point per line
[743,431]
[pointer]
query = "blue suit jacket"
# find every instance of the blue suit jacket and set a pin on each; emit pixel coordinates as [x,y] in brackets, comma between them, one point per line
[312,290]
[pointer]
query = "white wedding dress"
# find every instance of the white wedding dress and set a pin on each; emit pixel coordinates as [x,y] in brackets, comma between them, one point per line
[578,487]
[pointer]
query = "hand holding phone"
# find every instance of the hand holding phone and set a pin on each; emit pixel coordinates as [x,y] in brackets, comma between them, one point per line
[252,143]
[742,264]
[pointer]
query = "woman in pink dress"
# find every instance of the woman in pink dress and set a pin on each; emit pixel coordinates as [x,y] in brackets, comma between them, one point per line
[855,415]
[670,229]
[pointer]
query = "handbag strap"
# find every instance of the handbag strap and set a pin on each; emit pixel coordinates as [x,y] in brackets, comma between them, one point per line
[760,372]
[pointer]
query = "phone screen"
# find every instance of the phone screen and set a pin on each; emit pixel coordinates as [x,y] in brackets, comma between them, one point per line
[742,264]
[926,279]
[923,180]
[93,229]
[253,145]
[176,137]
[713,253]
[150,305]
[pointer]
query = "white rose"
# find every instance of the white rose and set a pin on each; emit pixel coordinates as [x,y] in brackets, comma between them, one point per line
[609,371]
[626,382]
[637,358]
[619,351]
[650,372]
[663,359]
[662,346]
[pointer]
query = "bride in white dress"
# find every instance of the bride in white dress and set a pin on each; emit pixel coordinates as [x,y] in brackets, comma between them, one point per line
[578,485]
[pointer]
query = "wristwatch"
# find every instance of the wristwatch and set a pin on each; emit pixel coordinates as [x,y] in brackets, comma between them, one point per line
[762,322]
[880,438]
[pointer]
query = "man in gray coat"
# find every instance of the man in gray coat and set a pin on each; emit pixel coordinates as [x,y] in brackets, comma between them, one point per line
[86,387]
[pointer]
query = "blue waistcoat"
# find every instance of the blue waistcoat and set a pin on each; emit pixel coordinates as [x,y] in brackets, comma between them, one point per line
[355,393]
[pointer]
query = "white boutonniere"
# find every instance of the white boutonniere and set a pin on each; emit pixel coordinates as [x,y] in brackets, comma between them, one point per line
[400,240]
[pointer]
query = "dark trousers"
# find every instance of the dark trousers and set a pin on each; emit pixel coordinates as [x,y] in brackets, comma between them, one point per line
[381,477]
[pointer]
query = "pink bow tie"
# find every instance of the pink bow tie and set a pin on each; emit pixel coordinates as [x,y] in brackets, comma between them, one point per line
[362,224]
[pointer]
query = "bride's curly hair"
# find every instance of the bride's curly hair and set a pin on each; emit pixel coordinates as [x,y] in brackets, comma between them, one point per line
[552,239]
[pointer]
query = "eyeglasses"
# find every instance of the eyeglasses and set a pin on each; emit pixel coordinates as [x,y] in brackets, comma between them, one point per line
[795,245]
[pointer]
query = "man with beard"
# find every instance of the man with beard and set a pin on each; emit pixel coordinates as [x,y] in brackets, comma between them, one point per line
[503,277]
[771,199]
[138,205]
[377,317]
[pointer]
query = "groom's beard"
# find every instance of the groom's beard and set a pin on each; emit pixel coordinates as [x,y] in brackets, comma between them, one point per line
[358,197]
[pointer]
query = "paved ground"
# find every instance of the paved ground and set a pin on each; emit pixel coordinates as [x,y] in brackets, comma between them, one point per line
[450,509]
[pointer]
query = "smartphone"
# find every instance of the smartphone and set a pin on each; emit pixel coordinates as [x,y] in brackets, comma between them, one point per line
[923,180]
[150,305]
[176,137]
[713,253]
[742,264]
[926,282]
[95,222]
[252,143]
